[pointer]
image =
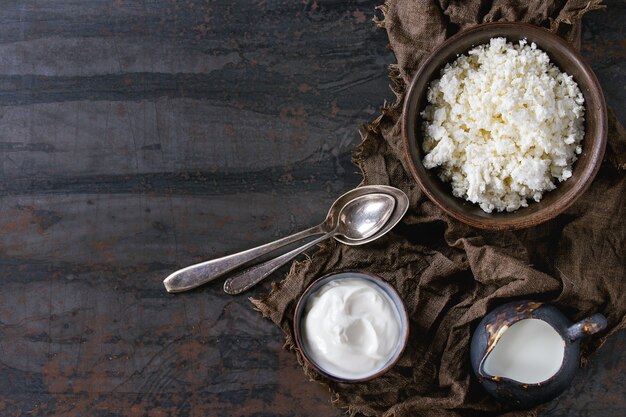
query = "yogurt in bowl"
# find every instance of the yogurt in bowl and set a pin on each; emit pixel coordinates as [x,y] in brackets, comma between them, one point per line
[351,326]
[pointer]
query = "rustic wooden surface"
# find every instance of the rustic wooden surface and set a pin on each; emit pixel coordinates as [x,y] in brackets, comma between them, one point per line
[137,137]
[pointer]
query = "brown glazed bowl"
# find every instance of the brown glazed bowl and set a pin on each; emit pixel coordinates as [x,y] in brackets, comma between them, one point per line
[593,143]
[385,287]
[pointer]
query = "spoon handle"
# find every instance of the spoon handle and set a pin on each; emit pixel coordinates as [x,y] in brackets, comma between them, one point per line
[248,278]
[198,274]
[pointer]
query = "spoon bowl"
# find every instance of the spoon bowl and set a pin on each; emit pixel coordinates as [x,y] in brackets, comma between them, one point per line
[399,210]
[365,215]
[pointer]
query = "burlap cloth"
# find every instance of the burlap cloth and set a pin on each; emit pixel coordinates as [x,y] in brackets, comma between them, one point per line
[449,275]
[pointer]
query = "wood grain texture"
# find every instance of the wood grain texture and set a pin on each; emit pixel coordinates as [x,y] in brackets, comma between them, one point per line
[137,137]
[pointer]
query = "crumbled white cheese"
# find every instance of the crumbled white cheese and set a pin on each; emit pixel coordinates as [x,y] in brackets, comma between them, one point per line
[503,122]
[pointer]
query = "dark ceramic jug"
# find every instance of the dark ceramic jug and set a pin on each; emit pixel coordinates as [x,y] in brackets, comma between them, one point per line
[566,336]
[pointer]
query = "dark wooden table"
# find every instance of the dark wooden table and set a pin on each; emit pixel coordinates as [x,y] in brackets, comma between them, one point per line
[137,137]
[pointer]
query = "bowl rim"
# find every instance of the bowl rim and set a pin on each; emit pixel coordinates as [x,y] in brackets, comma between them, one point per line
[301,304]
[565,201]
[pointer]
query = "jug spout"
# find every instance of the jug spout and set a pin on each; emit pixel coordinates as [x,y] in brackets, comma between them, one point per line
[587,327]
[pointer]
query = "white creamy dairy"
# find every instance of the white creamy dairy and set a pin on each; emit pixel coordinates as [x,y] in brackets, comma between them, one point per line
[351,328]
[503,124]
[530,351]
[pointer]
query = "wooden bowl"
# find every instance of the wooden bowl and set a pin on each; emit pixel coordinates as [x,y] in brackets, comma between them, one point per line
[593,143]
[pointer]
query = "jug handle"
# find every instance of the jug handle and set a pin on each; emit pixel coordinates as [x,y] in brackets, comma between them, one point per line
[587,327]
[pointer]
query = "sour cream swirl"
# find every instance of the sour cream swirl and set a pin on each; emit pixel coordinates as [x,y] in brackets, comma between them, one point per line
[351,328]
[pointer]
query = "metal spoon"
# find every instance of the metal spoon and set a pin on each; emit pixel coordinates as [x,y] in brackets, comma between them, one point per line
[360,219]
[198,274]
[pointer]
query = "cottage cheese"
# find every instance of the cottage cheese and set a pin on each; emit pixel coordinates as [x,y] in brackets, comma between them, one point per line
[503,125]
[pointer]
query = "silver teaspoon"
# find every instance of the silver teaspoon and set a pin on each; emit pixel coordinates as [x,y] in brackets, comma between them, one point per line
[195,275]
[359,220]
